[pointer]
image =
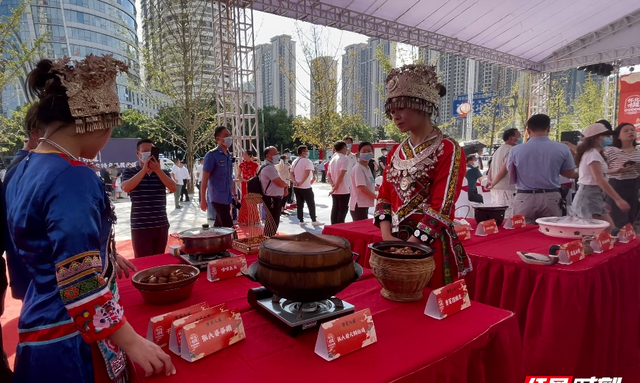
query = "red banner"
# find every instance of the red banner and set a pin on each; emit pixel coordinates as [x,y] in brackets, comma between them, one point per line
[629,105]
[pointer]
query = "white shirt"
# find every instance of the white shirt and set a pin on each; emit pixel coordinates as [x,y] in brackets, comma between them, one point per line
[500,158]
[361,176]
[180,173]
[340,162]
[284,170]
[270,173]
[300,167]
[199,172]
[584,171]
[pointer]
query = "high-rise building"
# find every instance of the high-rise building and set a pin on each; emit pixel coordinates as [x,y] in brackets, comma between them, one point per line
[172,28]
[363,77]
[324,85]
[276,74]
[76,28]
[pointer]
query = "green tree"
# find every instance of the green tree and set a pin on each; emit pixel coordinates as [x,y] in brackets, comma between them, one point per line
[135,124]
[180,73]
[559,110]
[589,105]
[379,133]
[12,131]
[277,127]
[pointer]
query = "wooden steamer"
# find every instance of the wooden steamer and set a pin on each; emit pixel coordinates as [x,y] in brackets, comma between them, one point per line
[305,267]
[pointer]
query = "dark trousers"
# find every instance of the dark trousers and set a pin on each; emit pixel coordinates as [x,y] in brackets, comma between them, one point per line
[360,213]
[340,208]
[302,196]
[223,214]
[185,190]
[289,197]
[272,204]
[150,241]
[628,190]
[324,177]
[474,196]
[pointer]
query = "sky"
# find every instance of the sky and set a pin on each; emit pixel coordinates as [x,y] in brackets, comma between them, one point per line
[266,26]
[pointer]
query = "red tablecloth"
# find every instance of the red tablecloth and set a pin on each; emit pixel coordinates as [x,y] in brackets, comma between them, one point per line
[480,344]
[580,319]
[361,233]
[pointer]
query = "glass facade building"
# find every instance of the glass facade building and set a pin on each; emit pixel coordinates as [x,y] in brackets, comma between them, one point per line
[76,28]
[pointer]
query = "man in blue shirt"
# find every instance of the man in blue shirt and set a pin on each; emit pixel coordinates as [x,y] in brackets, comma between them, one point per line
[535,167]
[217,178]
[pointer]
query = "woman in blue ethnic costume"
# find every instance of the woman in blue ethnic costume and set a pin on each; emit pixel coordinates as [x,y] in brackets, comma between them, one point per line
[424,176]
[72,327]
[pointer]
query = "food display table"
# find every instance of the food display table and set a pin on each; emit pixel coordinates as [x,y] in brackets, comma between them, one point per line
[479,344]
[581,319]
[361,233]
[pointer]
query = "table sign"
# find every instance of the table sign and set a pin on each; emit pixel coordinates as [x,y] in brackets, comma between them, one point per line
[174,250]
[515,222]
[209,335]
[487,228]
[463,232]
[626,234]
[226,268]
[448,300]
[175,341]
[603,242]
[571,252]
[160,326]
[346,334]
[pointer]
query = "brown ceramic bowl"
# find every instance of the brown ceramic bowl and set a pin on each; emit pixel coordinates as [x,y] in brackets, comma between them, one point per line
[165,293]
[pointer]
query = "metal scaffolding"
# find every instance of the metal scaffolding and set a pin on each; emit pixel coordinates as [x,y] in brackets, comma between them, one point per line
[235,69]
[540,92]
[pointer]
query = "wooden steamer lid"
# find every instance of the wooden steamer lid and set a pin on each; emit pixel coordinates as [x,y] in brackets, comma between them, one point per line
[305,250]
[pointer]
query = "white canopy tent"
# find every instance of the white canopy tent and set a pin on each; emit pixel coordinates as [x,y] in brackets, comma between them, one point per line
[535,35]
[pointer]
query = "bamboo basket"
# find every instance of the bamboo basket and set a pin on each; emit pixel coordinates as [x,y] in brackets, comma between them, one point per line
[402,280]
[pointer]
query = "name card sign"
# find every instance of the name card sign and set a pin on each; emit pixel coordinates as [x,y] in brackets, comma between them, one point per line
[571,252]
[226,268]
[175,341]
[344,335]
[448,300]
[603,242]
[159,327]
[626,234]
[515,222]
[463,232]
[487,228]
[209,335]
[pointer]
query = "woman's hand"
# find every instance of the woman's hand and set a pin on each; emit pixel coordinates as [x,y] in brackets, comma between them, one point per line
[150,357]
[143,352]
[123,264]
[388,237]
[623,205]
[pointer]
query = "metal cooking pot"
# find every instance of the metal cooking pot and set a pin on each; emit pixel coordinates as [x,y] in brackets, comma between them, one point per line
[206,240]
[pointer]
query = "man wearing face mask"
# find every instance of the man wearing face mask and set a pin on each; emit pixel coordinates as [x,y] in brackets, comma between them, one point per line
[503,193]
[146,184]
[350,155]
[274,188]
[473,176]
[217,178]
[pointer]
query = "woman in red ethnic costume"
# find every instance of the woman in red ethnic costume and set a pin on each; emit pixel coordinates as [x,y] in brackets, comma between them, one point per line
[424,177]
[248,169]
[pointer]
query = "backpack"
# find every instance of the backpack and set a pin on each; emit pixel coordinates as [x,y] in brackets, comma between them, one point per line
[254,185]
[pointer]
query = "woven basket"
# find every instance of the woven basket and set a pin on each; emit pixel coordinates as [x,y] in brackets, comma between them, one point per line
[402,280]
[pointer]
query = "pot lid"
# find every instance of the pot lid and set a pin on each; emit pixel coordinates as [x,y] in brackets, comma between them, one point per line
[206,232]
[306,243]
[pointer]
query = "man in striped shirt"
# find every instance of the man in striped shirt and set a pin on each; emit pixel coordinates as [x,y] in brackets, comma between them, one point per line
[146,184]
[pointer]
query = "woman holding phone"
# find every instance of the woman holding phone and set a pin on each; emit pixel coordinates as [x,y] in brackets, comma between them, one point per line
[623,158]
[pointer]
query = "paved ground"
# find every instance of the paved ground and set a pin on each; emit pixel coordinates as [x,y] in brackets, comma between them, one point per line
[190,216]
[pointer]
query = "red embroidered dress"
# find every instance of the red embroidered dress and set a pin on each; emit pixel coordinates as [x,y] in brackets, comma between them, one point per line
[248,169]
[418,194]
